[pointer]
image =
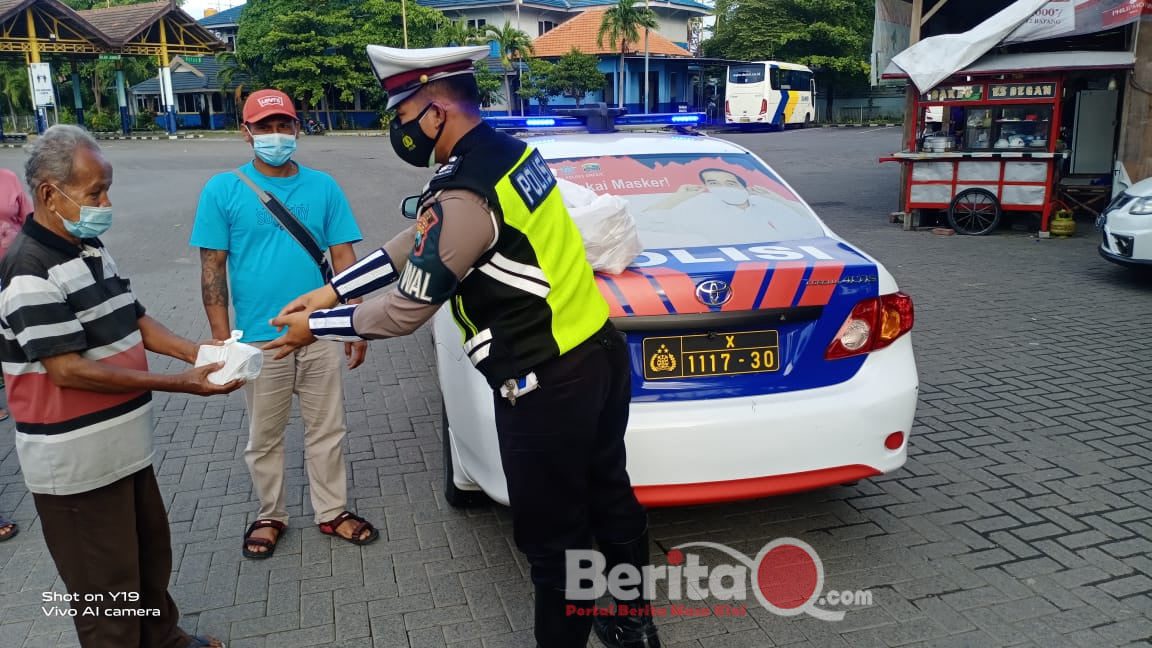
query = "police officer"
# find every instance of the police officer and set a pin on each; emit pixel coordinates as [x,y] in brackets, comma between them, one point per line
[494,239]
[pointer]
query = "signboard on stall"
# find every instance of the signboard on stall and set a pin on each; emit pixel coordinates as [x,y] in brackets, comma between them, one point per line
[955,93]
[40,76]
[1061,18]
[937,57]
[1007,91]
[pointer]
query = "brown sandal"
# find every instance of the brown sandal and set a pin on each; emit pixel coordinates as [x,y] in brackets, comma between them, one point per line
[269,545]
[329,528]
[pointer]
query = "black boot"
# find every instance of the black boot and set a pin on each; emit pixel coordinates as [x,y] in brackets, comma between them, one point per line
[632,625]
[558,626]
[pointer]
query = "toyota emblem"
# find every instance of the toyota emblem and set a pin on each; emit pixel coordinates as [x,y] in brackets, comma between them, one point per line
[713,292]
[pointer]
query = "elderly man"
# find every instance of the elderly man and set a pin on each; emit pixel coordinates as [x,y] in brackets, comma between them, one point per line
[73,351]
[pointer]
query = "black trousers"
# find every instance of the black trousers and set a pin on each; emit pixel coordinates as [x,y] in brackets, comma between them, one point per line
[113,544]
[562,447]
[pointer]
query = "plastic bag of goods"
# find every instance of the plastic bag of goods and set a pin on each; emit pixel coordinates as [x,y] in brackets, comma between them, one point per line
[241,361]
[611,241]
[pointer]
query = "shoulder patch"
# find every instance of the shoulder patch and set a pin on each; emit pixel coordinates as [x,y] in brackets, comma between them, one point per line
[448,169]
[533,180]
[428,219]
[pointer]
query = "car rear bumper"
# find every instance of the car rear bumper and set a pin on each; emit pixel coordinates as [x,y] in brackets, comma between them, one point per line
[695,452]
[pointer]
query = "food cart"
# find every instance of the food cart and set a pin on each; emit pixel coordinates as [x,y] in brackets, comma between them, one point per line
[994,138]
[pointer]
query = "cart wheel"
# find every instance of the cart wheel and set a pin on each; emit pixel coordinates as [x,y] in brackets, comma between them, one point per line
[975,212]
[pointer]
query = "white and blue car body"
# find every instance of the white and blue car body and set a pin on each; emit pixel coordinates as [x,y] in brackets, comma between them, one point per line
[769,355]
[1126,226]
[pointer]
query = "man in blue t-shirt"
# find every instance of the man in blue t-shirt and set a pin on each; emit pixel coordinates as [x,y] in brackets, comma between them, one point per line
[244,247]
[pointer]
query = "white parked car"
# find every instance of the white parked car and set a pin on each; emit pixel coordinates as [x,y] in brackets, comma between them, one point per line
[768,355]
[1126,225]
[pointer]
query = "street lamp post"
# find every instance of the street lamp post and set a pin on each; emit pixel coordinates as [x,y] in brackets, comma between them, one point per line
[647,7]
[404,20]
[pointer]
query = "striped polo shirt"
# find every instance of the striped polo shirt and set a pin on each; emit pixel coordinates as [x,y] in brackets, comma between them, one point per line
[57,298]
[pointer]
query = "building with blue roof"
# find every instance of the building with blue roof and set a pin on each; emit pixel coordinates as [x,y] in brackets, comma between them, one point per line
[203,98]
[538,17]
[672,83]
[224,24]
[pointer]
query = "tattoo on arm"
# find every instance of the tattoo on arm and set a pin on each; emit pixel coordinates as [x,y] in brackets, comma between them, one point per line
[214,277]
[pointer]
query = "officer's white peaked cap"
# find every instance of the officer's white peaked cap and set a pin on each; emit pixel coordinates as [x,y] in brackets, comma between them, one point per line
[404,71]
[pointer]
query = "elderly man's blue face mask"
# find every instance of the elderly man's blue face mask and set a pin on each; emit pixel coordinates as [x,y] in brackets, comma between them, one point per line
[94,221]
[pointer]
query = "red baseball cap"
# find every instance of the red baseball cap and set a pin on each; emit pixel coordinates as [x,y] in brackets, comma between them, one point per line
[263,104]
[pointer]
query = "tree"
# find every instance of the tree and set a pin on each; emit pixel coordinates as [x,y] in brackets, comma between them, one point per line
[538,83]
[512,43]
[489,85]
[833,37]
[622,24]
[311,49]
[456,33]
[576,74]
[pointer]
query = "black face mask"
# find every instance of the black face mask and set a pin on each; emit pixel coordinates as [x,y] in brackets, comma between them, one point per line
[410,142]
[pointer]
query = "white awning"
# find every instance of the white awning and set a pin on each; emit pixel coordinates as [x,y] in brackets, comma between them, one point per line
[1036,62]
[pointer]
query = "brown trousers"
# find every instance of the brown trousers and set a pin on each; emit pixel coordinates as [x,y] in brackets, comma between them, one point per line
[113,544]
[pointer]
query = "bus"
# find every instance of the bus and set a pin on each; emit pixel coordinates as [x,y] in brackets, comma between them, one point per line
[769,93]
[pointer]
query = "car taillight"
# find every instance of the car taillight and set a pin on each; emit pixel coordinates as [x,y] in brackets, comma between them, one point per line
[873,324]
[727,108]
[763,106]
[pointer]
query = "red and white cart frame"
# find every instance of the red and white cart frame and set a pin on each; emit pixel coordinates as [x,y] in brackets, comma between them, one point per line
[983,179]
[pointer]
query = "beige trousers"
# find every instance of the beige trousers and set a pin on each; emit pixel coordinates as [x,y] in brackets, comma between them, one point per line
[313,374]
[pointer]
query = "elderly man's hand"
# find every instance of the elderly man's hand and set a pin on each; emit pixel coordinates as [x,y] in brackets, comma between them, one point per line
[298,335]
[195,381]
[323,297]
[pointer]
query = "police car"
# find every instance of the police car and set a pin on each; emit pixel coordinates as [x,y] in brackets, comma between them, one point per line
[1126,225]
[768,354]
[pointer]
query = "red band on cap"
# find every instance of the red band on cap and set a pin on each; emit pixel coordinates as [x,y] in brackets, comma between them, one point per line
[412,77]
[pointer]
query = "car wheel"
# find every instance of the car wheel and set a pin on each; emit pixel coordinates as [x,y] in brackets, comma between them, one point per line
[974,212]
[807,121]
[455,496]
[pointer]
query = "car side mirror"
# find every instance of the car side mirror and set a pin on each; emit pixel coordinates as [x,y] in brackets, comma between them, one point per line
[410,207]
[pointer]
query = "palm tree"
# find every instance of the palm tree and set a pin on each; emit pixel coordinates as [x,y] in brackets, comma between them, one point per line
[622,24]
[512,42]
[232,71]
[14,88]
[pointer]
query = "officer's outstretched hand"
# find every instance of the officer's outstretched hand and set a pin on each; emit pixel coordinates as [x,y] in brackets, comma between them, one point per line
[298,335]
[323,297]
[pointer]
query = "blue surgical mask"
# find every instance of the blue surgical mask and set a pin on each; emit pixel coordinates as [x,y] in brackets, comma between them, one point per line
[94,221]
[274,148]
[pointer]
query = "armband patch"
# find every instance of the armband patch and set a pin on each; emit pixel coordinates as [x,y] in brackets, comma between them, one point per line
[425,277]
[367,275]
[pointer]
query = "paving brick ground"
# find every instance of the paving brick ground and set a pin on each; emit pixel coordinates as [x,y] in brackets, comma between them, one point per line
[1023,517]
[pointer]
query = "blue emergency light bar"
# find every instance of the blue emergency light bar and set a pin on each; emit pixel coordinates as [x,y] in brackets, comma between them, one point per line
[528,123]
[596,119]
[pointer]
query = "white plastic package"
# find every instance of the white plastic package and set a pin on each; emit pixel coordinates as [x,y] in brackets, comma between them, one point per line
[241,361]
[611,241]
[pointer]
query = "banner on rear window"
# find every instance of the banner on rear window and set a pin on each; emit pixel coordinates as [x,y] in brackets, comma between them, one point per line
[693,199]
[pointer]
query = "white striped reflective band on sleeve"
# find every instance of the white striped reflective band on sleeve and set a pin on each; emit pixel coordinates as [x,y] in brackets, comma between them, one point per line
[479,346]
[334,324]
[525,277]
[366,276]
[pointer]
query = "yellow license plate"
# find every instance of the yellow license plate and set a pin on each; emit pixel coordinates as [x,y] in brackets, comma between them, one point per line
[745,119]
[711,354]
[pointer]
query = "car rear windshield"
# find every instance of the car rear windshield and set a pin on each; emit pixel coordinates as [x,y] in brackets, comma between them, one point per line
[695,200]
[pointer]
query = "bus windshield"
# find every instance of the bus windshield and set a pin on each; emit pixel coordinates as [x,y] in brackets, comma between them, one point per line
[744,74]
